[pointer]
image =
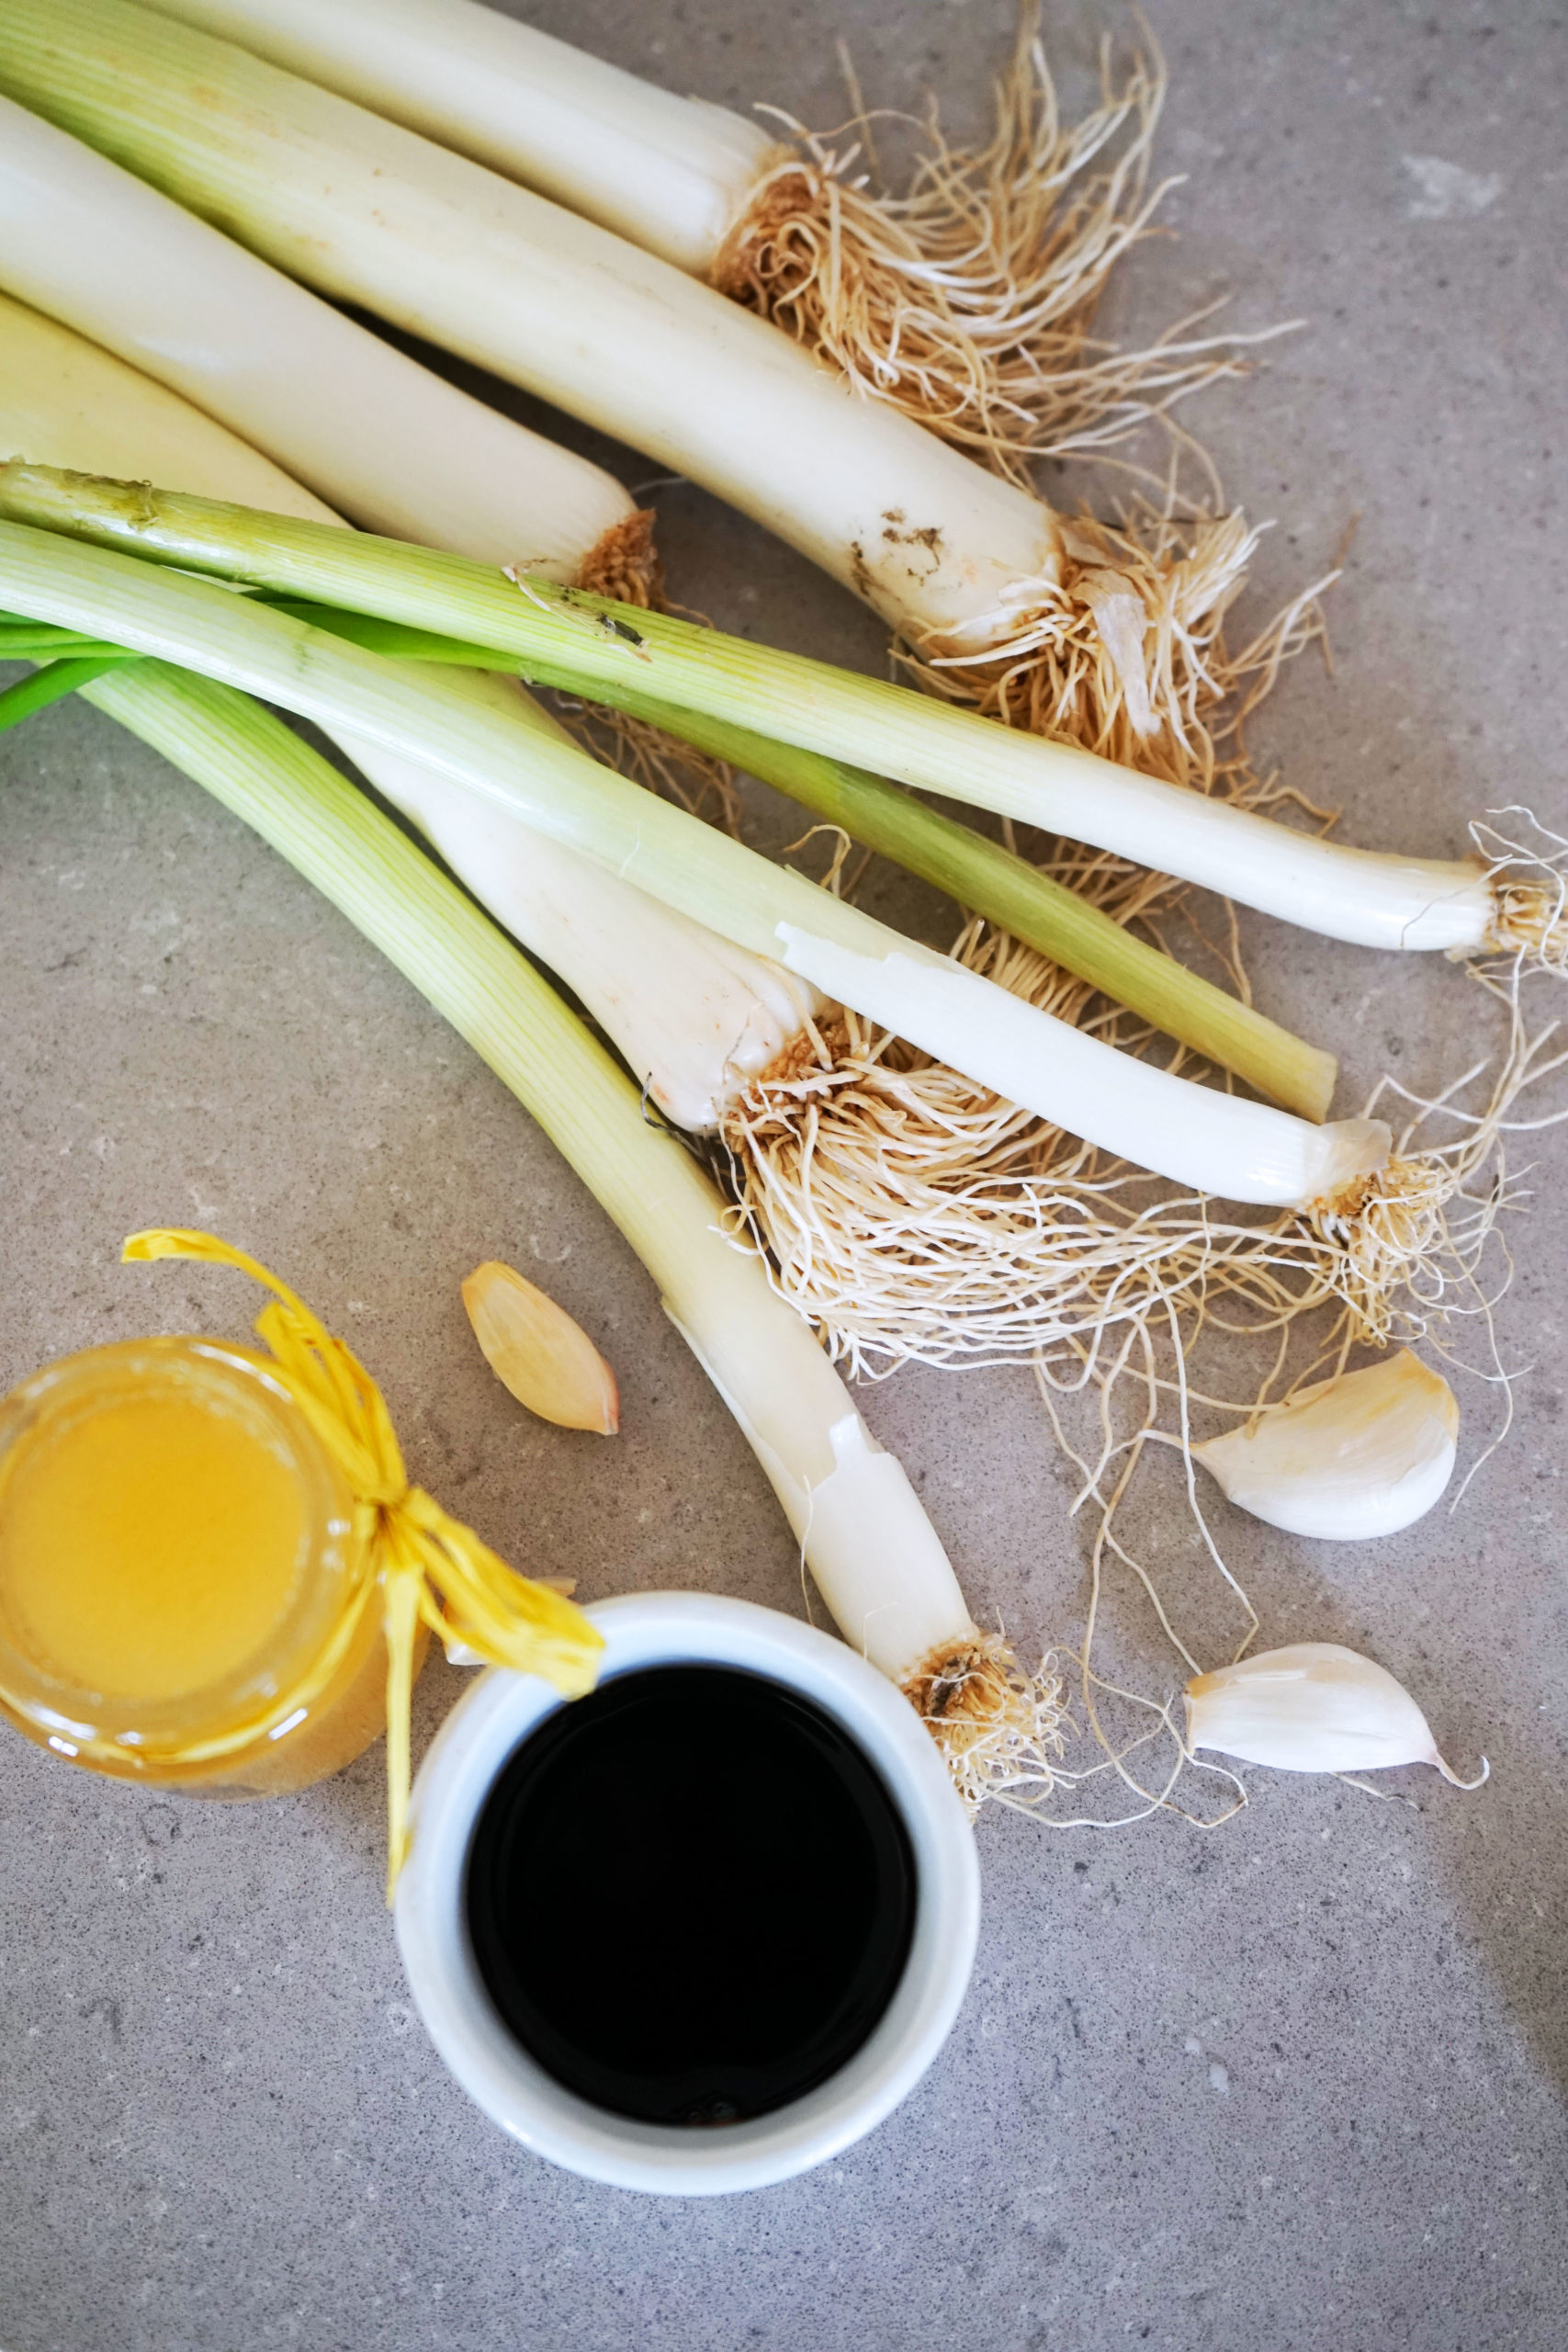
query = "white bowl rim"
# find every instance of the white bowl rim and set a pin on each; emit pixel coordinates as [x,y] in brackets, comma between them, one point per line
[658,1628]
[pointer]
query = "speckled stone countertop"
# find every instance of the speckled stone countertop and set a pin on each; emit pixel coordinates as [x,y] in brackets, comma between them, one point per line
[1292,2087]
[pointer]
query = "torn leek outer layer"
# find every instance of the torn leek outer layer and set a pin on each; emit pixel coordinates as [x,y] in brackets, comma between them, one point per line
[590,645]
[1191,1134]
[697,1019]
[381,438]
[876,1557]
[413,1560]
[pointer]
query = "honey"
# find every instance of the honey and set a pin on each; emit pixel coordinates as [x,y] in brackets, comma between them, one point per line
[214,1571]
[178,1561]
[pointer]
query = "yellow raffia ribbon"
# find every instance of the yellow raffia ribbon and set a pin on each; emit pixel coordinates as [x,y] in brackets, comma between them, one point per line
[427,1564]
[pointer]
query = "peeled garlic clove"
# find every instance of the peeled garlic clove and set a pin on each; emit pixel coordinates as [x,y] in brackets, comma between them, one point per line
[1362,1455]
[536,1349]
[1312,1708]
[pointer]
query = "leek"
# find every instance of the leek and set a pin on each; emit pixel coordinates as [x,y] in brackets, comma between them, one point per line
[562,638]
[1217,1143]
[697,1019]
[1112,635]
[953,556]
[52,684]
[965,302]
[670,173]
[981,874]
[874,1555]
[379,436]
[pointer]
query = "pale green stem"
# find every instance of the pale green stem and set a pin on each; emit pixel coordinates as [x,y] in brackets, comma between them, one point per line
[866,1537]
[562,636]
[981,874]
[1214,1142]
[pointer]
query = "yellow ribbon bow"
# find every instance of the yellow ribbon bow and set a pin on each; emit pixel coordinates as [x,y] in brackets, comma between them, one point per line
[425,1564]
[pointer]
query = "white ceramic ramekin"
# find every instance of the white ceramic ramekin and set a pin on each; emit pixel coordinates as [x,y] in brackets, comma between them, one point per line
[656,1629]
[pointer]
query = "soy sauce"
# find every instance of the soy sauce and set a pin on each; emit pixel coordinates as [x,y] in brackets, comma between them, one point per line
[690,1895]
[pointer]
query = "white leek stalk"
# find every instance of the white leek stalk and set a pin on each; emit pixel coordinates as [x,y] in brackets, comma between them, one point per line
[558,638]
[876,1557]
[1215,1142]
[380,438]
[1312,1708]
[66,403]
[967,301]
[697,1018]
[371,213]
[1359,1456]
[670,173]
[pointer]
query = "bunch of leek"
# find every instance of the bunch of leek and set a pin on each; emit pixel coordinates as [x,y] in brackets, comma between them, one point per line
[66,403]
[562,636]
[998,600]
[965,302]
[873,1553]
[1358,1234]
[1220,1143]
[700,1023]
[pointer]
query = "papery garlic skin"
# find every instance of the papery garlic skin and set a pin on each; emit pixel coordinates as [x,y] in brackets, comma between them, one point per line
[1311,1708]
[1350,1459]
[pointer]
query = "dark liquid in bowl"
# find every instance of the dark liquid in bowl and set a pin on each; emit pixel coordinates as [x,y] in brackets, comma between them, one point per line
[690,1895]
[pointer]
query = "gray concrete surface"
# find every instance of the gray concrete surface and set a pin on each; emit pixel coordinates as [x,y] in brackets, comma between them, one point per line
[1292,2086]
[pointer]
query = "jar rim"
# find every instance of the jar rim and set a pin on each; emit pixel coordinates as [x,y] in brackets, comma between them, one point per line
[69,1714]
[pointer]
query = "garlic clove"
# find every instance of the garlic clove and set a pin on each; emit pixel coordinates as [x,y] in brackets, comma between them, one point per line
[1361,1455]
[1312,1708]
[536,1349]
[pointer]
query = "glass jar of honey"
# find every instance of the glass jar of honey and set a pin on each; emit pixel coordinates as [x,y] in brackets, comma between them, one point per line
[184,1595]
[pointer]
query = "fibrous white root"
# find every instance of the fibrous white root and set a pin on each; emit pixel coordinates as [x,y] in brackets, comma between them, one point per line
[967,301]
[998,1726]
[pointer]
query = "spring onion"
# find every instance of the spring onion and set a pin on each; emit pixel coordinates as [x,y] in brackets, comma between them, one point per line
[1238,1149]
[962,564]
[992,881]
[562,638]
[699,1022]
[697,1019]
[380,438]
[670,173]
[964,302]
[910,1213]
[66,403]
[874,1554]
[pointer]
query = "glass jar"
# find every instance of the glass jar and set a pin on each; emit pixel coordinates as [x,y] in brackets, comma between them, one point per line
[182,1593]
